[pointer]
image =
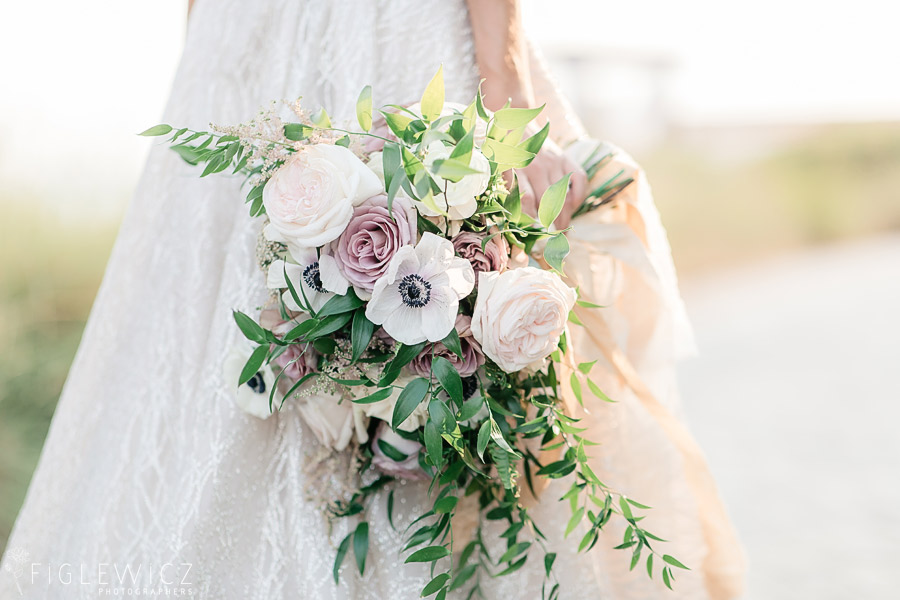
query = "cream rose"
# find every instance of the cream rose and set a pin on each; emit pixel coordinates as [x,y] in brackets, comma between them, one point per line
[310,199]
[520,314]
[333,420]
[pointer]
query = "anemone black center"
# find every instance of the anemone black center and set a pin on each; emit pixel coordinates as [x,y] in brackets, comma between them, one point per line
[415,291]
[312,278]
[470,386]
[257,383]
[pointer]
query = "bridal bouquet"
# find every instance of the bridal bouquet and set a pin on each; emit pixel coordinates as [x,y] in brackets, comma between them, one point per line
[418,318]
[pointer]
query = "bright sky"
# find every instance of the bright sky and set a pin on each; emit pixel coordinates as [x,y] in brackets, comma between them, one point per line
[80,78]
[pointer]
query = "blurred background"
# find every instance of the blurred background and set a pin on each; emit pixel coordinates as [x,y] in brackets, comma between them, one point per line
[771,133]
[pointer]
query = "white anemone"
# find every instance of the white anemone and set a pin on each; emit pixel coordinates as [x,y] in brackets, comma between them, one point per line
[418,296]
[317,278]
[253,396]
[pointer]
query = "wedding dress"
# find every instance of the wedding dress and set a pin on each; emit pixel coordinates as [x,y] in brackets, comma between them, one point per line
[149,463]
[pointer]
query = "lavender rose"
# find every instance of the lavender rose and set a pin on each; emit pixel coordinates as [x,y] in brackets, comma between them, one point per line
[494,257]
[371,239]
[472,358]
[407,468]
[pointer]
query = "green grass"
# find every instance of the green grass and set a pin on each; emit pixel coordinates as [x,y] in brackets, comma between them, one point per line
[49,274]
[842,181]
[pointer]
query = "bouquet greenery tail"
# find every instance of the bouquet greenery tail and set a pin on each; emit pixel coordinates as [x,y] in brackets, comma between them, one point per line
[395,252]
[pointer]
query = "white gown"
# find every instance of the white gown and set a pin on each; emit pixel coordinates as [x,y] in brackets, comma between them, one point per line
[149,463]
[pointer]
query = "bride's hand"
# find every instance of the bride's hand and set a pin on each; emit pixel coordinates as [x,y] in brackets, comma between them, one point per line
[549,166]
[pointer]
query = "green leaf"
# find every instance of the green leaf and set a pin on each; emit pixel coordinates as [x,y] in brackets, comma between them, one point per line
[300,330]
[340,304]
[435,584]
[339,557]
[411,396]
[452,169]
[433,97]
[513,202]
[535,142]
[513,118]
[364,108]
[360,334]
[390,510]
[330,325]
[445,505]
[650,565]
[449,378]
[470,407]
[441,415]
[463,149]
[433,444]
[574,521]
[498,438]
[514,551]
[556,250]
[391,452]
[451,342]
[666,579]
[674,562]
[405,354]
[361,545]
[479,104]
[250,328]
[637,504]
[429,554]
[253,364]
[296,131]
[463,576]
[156,130]
[325,345]
[321,119]
[549,558]
[595,389]
[576,388]
[553,200]
[375,397]
[397,123]
[506,156]
[484,436]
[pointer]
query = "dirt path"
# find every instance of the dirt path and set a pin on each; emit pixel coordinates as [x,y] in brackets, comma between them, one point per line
[796,400]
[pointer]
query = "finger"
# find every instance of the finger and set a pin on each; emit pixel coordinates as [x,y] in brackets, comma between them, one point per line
[574,197]
[526,194]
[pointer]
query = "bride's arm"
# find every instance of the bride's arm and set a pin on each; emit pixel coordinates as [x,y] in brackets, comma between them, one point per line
[503,58]
[501,52]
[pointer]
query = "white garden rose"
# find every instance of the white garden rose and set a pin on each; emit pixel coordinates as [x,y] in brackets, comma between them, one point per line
[333,420]
[520,315]
[310,200]
[384,409]
[459,201]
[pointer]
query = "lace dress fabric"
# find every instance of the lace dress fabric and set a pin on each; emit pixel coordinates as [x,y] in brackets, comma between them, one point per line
[149,461]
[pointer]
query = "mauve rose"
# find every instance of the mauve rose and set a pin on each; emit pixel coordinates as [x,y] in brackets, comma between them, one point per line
[371,239]
[494,257]
[297,363]
[473,357]
[405,469]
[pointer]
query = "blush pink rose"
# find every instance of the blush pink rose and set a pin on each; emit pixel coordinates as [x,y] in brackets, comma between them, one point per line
[371,239]
[405,469]
[472,358]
